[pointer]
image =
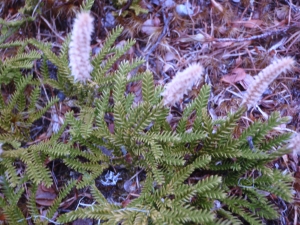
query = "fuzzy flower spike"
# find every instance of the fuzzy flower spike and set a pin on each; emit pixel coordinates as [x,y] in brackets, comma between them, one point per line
[182,83]
[294,143]
[79,48]
[266,77]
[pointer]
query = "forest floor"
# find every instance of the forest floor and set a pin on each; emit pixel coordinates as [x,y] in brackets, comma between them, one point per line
[233,39]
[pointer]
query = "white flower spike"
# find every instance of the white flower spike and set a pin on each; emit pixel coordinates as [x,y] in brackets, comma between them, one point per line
[79,48]
[182,83]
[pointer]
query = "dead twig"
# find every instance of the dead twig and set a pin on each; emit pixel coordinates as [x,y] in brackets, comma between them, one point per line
[52,29]
[255,37]
[127,5]
[161,36]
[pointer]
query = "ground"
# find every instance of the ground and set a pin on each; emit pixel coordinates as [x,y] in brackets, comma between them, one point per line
[233,40]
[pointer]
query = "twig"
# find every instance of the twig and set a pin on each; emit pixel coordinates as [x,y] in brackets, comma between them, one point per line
[35,8]
[128,4]
[163,33]
[292,6]
[296,215]
[255,37]
[39,217]
[51,28]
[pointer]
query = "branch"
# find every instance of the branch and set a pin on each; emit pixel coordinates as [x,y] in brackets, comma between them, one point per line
[255,37]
